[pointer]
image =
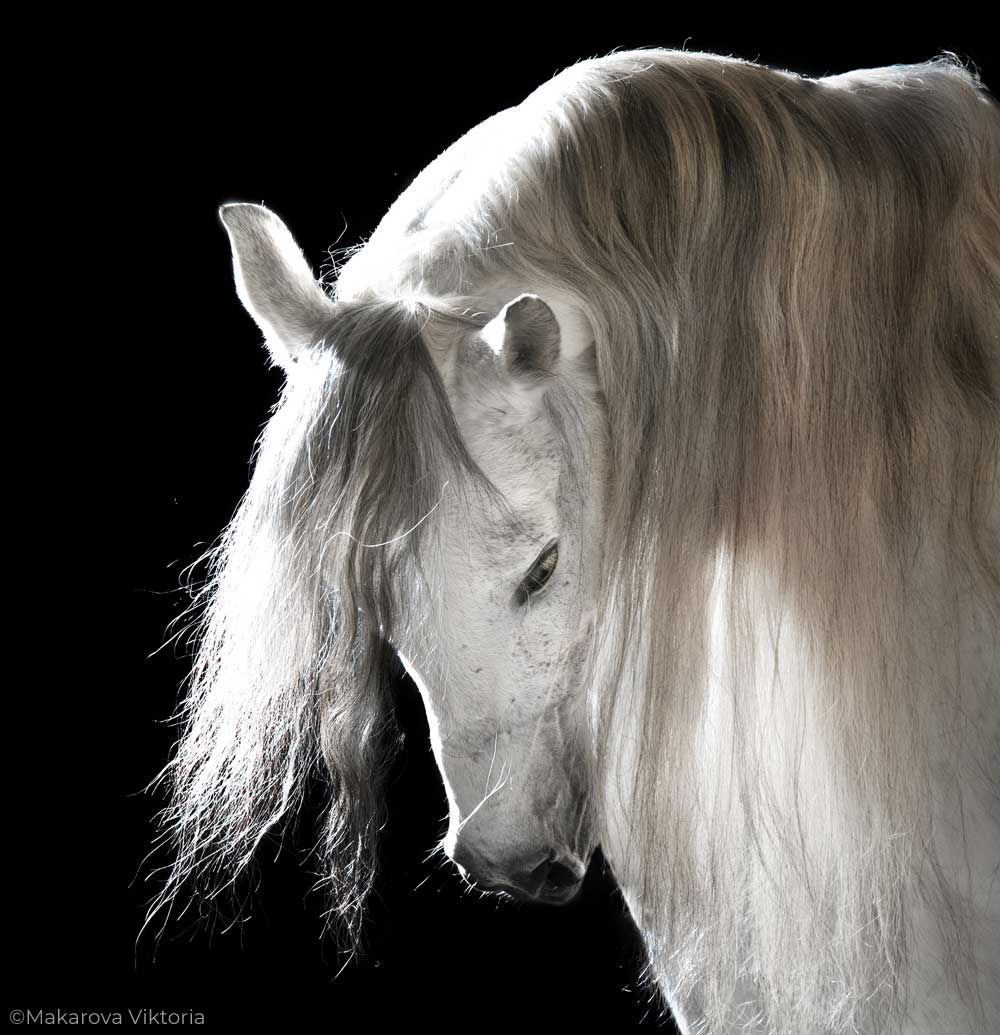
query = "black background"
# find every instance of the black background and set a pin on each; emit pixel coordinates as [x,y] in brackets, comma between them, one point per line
[168,389]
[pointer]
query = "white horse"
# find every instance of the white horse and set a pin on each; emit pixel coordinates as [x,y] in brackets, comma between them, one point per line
[656,428]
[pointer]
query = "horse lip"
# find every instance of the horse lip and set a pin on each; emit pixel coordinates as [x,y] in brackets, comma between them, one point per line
[560,897]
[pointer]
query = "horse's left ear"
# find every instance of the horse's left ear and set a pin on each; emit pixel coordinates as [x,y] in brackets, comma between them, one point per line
[531,336]
[274,281]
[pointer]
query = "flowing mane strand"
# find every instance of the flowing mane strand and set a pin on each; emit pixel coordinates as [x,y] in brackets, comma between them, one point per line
[291,674]
[794,288]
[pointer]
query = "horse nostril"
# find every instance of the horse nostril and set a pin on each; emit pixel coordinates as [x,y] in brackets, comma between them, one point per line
[547,877]
[560,876]
[531,879]
[534,880]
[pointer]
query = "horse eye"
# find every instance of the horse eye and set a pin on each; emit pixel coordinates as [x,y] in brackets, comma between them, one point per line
[540,573]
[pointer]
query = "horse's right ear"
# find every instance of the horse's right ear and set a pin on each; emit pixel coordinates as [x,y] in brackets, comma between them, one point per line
[274,281]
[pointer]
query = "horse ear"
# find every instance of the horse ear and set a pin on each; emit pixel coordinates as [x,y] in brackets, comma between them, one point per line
[274,282]
[531,336]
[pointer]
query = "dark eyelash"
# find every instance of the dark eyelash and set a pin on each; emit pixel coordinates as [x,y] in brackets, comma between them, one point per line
[540,573]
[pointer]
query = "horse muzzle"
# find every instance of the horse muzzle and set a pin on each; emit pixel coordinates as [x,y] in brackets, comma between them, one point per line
[550,876]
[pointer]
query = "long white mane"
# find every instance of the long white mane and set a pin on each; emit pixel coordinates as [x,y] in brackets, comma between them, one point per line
[794,291]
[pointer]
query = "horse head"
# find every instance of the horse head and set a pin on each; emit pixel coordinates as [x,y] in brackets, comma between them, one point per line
[497,625]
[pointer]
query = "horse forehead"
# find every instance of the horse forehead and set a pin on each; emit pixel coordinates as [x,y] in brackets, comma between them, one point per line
[525,471]
[522,463]
[507,435]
